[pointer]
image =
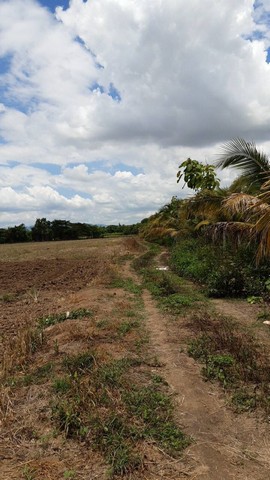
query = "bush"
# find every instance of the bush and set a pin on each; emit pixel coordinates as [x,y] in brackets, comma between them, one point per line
[223,272]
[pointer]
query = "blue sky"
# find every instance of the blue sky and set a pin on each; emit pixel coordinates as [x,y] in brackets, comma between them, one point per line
[101,100]
[51,5]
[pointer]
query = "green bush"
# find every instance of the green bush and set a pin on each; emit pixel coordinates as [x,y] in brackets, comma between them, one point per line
[223,271]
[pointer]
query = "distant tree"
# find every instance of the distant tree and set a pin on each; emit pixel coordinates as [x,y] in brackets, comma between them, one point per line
[42,230]
[19,233]
[62,230]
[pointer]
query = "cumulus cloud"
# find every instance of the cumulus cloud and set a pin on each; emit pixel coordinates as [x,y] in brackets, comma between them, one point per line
[132,88]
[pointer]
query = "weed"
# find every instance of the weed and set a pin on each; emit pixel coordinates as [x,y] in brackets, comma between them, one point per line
[39,375]
[131,313]
[79,364]
[34,294]
[69,474]
[45,440]
[127,284]
[232,356]
[102,324]
[112,436]
[56,347]
[67,417]
[61,385]
[176,302]
[157,379]
[53,319]
[28,473]
[219,367]
[264,315]
[126,327]
[155,409]
[244,401]
[7,297]
[111,373]
[254,299]
[199,348]
[143,261]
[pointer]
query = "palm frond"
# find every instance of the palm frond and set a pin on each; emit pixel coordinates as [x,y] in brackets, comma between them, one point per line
[246,157]
[203,223]
[239,204]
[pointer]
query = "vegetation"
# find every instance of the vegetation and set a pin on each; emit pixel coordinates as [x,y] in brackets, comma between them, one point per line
[45,230]
[220,237]
[231,355]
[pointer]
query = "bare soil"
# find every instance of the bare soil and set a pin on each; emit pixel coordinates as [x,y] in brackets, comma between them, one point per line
[40,279]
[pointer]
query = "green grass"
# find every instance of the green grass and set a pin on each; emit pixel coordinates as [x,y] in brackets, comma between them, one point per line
[40,375]
[155,410]
[231,356]
[61,385]
[55,318]
[127,326]
[127,284]
[115,439]
[79,364]
[8,297]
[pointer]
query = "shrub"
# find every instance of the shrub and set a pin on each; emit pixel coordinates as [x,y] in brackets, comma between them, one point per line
[223,271]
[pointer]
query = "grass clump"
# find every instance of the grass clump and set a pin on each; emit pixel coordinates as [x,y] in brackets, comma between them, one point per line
[79,364]
[40,375]
[67,416]
[127,326]
[155,409]
[115,439]
[127,284]
[61,385]
[55,318]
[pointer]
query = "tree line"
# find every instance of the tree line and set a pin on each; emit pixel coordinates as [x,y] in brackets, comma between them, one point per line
[45,230]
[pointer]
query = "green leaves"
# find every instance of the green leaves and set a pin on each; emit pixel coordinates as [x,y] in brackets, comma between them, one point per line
[198,176]
[245,156]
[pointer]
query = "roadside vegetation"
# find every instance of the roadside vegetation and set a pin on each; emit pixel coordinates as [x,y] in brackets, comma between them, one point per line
[219,239]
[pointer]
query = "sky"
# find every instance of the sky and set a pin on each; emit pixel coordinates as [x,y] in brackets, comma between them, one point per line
[101,100]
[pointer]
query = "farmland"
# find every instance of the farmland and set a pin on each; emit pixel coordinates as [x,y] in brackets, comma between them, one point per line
[98,372]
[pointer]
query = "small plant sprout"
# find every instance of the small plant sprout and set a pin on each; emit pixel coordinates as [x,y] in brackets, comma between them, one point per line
[34,294]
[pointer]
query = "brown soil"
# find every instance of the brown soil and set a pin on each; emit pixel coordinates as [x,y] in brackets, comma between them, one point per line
[48,278]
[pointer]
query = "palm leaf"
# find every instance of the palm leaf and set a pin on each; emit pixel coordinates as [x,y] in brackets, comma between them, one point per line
[240,204]
[246,157]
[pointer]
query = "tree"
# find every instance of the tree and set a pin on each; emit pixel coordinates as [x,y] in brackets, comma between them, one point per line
[253,211]
[19,233]
[245,156]
[198,176]
[42,230]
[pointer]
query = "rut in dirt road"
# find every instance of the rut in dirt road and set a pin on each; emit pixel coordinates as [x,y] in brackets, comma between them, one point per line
[226,446]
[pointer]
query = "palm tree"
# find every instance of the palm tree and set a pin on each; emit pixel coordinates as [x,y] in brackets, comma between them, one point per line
[245,156]
[250,206]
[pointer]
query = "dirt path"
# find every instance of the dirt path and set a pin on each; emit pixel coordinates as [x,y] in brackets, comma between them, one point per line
[227,446]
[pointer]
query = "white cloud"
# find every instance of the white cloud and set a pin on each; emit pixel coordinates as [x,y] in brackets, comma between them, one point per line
[188,79]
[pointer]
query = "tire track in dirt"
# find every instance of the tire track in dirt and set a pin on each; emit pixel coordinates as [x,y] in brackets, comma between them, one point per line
[227,446]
